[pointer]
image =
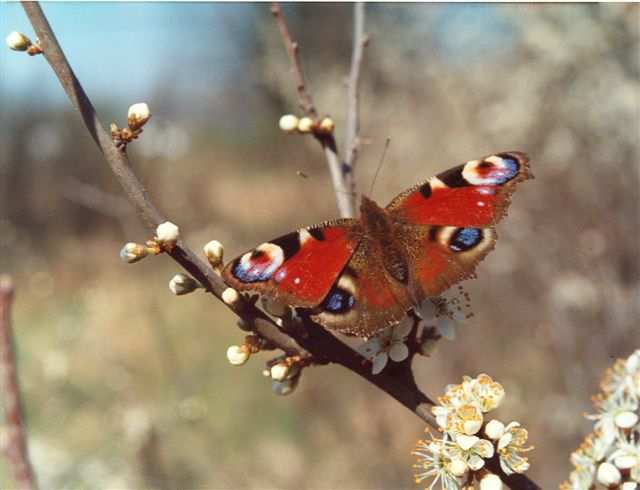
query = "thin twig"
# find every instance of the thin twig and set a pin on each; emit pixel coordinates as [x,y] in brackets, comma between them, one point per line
[312,339]
[341,174]
[293,49]
[360,40]
[16,448]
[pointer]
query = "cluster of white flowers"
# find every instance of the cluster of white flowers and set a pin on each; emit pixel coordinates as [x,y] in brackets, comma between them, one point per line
[609,457]
[438,317]
[468,440]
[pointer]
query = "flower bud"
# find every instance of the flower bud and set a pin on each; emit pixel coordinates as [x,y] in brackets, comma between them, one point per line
[167,234]
[305,125]
[326,126]
[138,115]
[629,485]
[288,123]
[214,252]
[133,252]
[237,355]
[490,482]
[182,284]
[280,371]
[18,41]
[608,475]
[230,296]
[494,430]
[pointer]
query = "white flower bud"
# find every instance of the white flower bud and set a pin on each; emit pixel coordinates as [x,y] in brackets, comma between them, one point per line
[182,284]
[458,467]
[494,429]
[280,371]
[626,420]
[18,41]
[237,355]
[167,233]
[490,482]
[214,252]
[230,296]
[629,485]
[608,475]
[133,252]
[288,123]
[326,126]
[138,115]
[305,125]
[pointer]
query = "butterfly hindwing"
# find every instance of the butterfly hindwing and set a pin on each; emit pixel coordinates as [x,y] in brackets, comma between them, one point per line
[440,256]
[365,298]
[297,269]
[475,194]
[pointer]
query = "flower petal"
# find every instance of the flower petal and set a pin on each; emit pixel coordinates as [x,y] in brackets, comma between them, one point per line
[398,352]
[379,362]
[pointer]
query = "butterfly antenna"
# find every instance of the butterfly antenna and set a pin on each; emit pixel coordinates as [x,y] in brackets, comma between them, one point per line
[384,153]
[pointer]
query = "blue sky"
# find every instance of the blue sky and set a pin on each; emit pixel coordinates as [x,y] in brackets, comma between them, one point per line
[123,50]
[120,48]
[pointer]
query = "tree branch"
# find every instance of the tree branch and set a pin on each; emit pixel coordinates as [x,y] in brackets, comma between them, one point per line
[311,338]
[360,40]
[16,449]
[341,173]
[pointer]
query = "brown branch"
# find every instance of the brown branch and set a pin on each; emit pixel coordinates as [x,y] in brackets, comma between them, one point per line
[16,449]
[360,40]
[341,174]
[311,339]
[293,50]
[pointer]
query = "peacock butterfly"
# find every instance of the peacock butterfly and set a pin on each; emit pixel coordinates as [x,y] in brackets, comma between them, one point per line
[359,276]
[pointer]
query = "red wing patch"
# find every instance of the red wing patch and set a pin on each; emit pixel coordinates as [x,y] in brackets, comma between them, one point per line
[475,194]
[297,269]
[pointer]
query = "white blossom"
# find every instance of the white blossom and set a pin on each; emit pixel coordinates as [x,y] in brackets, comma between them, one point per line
[390,344]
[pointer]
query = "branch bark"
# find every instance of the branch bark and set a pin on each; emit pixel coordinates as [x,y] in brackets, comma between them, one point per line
[341,173]
[16,449]
[309,340]
[360,40]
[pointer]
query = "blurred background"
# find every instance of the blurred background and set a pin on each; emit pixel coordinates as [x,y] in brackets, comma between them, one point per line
[127,386]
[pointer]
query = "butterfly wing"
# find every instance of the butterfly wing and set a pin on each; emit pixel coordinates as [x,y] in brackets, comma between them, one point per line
[475,194]
[440,256]
[365,298]
[297,269]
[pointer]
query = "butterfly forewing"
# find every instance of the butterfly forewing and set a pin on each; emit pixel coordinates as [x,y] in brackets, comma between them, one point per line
[297,269]
[475,194]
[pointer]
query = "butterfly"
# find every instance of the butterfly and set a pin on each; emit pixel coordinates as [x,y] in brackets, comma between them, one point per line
[359,276]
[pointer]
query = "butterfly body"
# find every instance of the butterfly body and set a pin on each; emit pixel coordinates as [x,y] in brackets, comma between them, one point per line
[360,276]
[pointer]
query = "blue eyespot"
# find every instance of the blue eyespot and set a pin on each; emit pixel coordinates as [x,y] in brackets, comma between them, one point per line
[338,301]
[252,273]
[464,239]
